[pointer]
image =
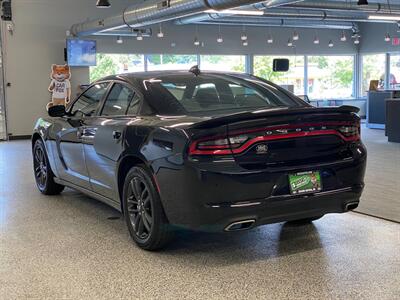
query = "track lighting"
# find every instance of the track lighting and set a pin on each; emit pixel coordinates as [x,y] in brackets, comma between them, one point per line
[160,33]
[139,36]
[243,37]
[219,38]
[316,40]
[295,36]
[120,40]
[245,43]
[103,4]
[270,39]
[330,44]
[387,37]
[343,38]
[357,41]
[290,43]
[196,42]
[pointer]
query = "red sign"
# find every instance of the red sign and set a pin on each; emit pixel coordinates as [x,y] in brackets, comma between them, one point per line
[396,41]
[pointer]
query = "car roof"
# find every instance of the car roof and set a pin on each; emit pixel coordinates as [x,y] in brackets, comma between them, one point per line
[154,74]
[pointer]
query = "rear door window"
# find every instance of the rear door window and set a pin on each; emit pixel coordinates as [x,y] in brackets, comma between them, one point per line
[118,100]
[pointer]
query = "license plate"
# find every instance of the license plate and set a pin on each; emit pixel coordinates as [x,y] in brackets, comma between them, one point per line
[305,182]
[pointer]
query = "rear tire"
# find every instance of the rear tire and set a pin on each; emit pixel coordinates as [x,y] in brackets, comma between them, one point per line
[44,176]
[143,211]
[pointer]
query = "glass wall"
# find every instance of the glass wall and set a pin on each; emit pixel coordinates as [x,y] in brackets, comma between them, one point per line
[330,77]
[394,80]
[293,80]
[373,68]
[111,64]
[229,63]
[170,62]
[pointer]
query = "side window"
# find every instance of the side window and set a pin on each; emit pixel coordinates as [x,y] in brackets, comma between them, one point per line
[89,100]
[118,101]
[134,106]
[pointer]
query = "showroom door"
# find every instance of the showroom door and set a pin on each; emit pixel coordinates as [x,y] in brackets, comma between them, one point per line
[3,131]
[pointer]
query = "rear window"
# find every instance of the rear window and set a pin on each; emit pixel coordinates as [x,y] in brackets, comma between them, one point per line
[189,94]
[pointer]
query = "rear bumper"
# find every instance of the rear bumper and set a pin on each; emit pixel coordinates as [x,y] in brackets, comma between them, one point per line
[209,197]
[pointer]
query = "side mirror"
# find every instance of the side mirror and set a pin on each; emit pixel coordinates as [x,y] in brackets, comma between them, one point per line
[280,65]
[57,111]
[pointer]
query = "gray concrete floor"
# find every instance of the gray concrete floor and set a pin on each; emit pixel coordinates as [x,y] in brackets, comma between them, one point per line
[67,247]
[381,196]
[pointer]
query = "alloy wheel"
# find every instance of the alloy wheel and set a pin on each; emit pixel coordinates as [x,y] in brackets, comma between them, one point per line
[140,208]
[40,166]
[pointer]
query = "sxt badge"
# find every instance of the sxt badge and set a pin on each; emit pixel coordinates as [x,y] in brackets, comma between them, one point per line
[262,149]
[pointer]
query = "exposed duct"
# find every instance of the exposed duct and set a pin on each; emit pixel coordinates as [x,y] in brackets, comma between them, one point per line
[270,22]
[286,14]
[152,12]
[340,6]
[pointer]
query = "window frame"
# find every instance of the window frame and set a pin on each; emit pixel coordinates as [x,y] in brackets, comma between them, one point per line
[129,86]
[101,101]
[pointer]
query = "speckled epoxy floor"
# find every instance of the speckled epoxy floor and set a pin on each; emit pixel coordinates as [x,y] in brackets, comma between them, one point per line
[66,247]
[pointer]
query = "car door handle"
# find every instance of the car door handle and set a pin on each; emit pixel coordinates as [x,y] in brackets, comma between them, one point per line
[116,135]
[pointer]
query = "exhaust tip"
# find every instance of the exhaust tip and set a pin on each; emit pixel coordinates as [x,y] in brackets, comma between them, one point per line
[351,206]
[240,225]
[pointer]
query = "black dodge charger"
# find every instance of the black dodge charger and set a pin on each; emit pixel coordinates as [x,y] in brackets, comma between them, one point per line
[206,151]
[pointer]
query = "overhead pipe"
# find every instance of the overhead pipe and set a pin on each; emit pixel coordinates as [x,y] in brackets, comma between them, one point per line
[287,14]
[263,22]
[340,6]
[156,11]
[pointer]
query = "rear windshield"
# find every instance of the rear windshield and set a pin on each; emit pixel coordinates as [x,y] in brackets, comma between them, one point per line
[204,94]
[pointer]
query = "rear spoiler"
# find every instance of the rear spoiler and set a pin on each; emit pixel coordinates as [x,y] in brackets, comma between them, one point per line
[251,115]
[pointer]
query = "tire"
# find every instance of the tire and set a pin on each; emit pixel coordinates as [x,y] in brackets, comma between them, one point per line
[143,211]
[44,176]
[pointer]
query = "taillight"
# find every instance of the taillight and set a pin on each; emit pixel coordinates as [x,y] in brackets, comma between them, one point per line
[239,141]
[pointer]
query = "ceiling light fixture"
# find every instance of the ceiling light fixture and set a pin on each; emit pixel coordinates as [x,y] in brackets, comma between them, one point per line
[270,39]
[357,41]
[343,38]
[295,36]
[245,43]
[290,43]
[160,33]
[330,44]
[387,17]
[387,37]
[103,4]
[120,40]
[316,40]
[139,36]
[236,12]
[219,38]
[243,37]
[196,42]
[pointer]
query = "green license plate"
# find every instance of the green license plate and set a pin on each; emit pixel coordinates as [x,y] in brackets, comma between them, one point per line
[305,182]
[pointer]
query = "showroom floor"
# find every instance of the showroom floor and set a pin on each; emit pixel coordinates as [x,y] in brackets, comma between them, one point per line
[71,246]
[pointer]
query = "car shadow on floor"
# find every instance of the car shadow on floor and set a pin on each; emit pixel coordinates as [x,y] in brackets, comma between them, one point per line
[199,248]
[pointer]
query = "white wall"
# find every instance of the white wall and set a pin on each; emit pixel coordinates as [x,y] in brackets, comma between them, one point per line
[39,39]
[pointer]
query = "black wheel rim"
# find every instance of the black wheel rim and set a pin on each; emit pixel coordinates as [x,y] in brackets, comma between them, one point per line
[140,208]
[40,166]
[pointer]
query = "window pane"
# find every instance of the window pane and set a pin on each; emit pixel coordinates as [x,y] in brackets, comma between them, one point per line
[117,101]
[170,62]
[89,101]
[293,80]
[330,77]
[111,64]
[134,106]
[230,63]
[373,68]
[181,94]
[394,82]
